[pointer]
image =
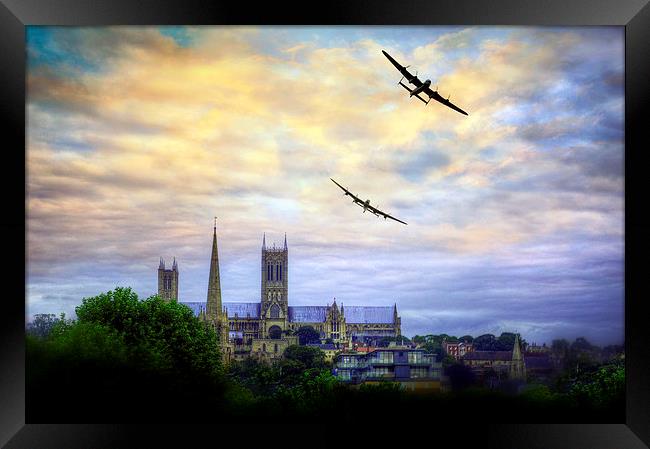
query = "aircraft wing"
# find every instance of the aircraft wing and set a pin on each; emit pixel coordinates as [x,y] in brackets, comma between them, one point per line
[376,211]
[408,75]
[436,96]
[347,192]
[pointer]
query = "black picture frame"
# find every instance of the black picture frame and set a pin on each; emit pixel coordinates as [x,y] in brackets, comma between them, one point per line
[634,15]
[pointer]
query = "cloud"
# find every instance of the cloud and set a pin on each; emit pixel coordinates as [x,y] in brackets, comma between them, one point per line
[136,136]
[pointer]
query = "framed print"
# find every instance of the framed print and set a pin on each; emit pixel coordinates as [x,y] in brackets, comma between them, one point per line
[444,200]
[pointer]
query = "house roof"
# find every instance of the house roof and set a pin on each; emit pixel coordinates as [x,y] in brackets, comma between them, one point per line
[488,355]
[325,346]
[538,363]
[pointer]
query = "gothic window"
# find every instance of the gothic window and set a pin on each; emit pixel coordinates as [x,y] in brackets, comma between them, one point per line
[277,272]
[275,311]
[268,272]
[275,348]
[263,347]
[280,271]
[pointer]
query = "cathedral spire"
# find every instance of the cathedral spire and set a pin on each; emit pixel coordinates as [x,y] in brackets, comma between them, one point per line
[213,303]
[264,241]
[516,350]
[174,265]
[285,240]
[162,264]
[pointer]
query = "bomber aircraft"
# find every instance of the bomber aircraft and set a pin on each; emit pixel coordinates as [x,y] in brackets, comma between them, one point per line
[366,204]
[421,87]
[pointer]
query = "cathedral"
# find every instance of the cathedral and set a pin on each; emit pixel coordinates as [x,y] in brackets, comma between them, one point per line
[265,328]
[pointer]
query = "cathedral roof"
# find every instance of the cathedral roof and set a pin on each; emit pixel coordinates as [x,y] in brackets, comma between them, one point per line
[196,306]
[307,314]
[368,314]
[242,309]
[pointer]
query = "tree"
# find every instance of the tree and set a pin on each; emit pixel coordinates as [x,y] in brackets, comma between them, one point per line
[460,376]
[153,355]
[308,356]
[602,387]
[42,324]
[485,342]
[467,338]
[418,339]
[307,334]
[560,346]
[506,341]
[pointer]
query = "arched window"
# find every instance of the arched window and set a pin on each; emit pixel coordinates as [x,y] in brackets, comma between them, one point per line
[277,272]
[275,348]
[263,347]
[268,272]
[275,311]
[280,271]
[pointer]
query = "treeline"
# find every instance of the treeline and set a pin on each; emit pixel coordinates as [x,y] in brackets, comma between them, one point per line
[129,360]
[486,342]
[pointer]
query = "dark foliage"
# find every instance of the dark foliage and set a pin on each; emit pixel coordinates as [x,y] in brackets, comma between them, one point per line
[123,360]
[307,334]
[128,360]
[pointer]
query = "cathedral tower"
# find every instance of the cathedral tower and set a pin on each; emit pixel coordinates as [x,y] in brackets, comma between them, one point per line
[275,280]
[168,281]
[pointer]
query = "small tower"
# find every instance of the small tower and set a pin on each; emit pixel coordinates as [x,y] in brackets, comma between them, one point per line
[168,281]
[397,321]
[518,367]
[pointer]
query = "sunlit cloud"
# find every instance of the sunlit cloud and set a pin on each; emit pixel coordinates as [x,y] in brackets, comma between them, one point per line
[138,136]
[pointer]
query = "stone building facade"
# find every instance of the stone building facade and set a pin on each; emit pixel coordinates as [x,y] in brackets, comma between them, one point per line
[265,328]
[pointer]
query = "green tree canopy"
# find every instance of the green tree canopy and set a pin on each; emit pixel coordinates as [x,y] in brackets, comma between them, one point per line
[166,333]
[308,356]
[307,334]
[42,324]
[485,342]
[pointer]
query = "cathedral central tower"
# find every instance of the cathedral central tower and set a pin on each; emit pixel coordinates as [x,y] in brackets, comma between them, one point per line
[275,280]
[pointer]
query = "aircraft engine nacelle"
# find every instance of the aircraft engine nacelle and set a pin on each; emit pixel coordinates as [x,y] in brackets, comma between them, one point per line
[427,83]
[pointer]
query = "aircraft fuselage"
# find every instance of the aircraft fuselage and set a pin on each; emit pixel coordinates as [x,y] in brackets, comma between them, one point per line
[424,85]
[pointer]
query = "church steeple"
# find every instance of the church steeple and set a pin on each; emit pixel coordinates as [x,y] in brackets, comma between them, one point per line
[264,241]
[517,367]
[285,240]
[213,303]
[516,350]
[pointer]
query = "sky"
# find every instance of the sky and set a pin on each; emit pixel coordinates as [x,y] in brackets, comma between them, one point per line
[138,136]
